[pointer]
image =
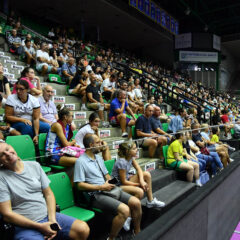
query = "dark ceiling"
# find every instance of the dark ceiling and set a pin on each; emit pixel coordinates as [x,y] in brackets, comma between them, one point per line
[221,17]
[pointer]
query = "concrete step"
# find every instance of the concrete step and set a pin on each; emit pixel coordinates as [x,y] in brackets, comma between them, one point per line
[172,193]
[161,178]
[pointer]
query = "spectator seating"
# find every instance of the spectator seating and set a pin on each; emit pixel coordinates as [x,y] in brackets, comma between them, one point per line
[25,148]
[64,197]
[42,153]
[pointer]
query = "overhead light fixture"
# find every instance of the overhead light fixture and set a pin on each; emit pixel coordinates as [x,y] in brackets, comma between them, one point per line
[187,11]
[206,28]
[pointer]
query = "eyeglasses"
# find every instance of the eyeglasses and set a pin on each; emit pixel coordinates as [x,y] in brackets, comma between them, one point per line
[49,91]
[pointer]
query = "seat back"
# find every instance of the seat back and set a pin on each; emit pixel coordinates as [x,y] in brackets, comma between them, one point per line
[41,147]
[109,165]
[165,127]
[74,134]
[55,78]
[23,146]
[134,132]
[165,150]
[62,189]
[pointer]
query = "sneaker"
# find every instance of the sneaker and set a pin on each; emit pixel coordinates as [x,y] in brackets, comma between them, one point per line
[127,224]
[125,134]
[105,124]
[155,203]
[198,184]
[84,108]
[232,148]
[231,159]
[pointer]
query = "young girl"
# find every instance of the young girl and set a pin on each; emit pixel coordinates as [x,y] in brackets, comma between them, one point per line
[176,161]
[135,184]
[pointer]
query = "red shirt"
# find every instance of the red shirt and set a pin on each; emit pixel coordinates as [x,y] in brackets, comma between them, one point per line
[225,118]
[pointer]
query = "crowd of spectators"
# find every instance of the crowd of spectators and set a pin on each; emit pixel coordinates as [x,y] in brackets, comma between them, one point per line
[91,73]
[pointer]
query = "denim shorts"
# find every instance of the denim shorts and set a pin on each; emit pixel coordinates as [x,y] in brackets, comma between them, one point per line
[64,221]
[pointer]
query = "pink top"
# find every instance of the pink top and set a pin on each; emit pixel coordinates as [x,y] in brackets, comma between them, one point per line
[29,82]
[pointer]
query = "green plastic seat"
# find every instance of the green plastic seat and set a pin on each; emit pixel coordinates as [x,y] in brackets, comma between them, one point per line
[133,132]
[109,165]
[165,150]
[55,78]
[165,127]
[232,131]
[62,189]
[74,133]
[43,158]
[25,148]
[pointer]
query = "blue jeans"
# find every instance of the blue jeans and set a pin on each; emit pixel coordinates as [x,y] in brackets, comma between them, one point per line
[64,221]
[26,129]
[201,162]
[214,159]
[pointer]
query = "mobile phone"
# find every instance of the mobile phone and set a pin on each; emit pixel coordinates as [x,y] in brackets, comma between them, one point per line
[54,227]
[113,181]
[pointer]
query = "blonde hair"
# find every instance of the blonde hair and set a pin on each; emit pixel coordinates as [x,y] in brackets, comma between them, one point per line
[204,125]
[124,149]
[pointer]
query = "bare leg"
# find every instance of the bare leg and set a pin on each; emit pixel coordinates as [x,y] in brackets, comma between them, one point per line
[148,179]
[122,120]
[118,221]
[136,213]
[67,161]
[79,230]
[152,146]
[133,190]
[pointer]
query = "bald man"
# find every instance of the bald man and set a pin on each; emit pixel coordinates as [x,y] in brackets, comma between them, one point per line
[47,107]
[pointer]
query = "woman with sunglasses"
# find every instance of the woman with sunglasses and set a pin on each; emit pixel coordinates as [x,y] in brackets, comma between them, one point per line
[22,111]
[92,127]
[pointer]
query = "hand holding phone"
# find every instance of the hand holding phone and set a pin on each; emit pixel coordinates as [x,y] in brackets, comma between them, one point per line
[113,181]
[54,227]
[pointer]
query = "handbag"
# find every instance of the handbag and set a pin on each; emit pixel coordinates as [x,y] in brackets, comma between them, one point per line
[114,193]
[72,151]
[204,177]
[204,151]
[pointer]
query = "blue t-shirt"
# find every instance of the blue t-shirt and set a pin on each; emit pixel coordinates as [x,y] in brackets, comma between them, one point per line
[155,123]
[176,124]
[115,104]
[143,124]
[70,69]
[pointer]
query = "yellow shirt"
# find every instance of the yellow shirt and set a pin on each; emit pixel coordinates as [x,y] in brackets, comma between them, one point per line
[215,138]
[175,147]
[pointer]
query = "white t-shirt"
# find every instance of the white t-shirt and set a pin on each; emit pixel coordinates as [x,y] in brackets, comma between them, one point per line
[23,110]
[40,53]
[88,68]
[99,76]
[108,84]
[193,144]
[131,94]
[138,92]
[81,133]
